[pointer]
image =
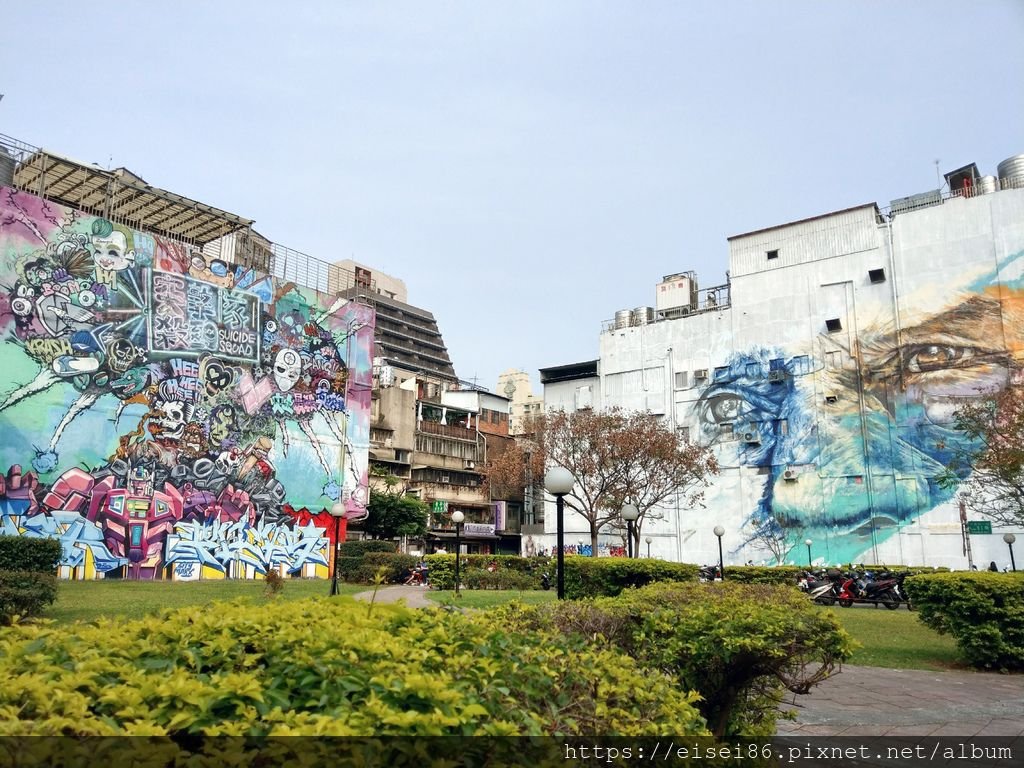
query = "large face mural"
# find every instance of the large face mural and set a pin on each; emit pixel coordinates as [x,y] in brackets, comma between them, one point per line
[161,410]
[844,446]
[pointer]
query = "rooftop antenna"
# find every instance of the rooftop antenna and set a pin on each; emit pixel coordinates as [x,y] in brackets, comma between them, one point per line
[938,176]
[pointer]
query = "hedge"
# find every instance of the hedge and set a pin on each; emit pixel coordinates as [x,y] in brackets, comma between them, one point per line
[984,612]
[511,571]
[788,574]
[608,576]
[24,594]
[327,667]
[21,553]
[362,547]
[740,646]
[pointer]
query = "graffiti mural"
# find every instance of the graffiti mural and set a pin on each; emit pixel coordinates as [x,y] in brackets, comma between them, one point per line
[847,443]
[174,409]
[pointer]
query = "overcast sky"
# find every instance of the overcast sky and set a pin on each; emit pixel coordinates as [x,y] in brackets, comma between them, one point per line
[527,168]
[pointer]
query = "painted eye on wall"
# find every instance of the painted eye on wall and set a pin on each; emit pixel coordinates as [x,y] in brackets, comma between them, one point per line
[725,407]
[919,358]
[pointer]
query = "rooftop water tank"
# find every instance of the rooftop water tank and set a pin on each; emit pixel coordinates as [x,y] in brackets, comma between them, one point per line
[643,315]
[623,318]
[987,185]
[1011,172]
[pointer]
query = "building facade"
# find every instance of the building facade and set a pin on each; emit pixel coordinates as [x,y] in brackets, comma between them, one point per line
[824,374]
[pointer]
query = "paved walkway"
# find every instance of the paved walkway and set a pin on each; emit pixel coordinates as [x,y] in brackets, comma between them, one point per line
[872,701]
[414,597]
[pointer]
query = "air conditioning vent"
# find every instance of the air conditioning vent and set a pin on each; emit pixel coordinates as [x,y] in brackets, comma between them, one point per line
[470,464]
[789,474]
[752,437]
[389,442]
[776,377]
[700,373]
[445,478]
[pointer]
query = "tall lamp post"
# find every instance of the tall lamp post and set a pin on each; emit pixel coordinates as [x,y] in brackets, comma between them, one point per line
[629,513]
[558,482]
[457,518]
[808,542]
[720,532]
[337,512]
[648,540]
[1009,538]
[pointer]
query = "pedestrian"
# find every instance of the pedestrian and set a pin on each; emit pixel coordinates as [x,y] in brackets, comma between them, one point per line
[993,567]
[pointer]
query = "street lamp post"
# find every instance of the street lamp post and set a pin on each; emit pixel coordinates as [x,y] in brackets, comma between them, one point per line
[337,512]
[720,532]
[1009,538]
[808,542]
[630,514]
[558,482]
[457,518]
[648,540]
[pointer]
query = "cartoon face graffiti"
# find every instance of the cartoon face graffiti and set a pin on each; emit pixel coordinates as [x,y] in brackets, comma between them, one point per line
[169,418]
[111,252]
[287,369]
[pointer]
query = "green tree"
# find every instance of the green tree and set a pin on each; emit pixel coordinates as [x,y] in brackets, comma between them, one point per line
[392,513]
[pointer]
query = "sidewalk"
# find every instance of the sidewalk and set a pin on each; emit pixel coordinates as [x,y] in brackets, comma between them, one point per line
[871,701]
[414,597]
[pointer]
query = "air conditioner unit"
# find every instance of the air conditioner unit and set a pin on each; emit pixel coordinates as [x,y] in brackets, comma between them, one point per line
[776,377]
[389,442]
[752,437]
[445,479]
[470,464]
[700,373]
[789,474]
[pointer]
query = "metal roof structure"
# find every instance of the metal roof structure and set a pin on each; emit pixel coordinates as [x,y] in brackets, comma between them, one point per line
[124,197]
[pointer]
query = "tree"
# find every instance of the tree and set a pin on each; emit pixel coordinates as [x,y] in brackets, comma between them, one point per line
[615,457]
[657,464]
[392,513]
[987,465]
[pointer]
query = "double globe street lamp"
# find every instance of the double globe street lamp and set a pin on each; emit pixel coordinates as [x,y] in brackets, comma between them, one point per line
[558,482]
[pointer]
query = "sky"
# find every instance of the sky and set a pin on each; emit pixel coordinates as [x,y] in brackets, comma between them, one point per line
[527,167]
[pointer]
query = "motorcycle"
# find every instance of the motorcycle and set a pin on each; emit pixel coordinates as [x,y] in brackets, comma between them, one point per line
[820,587]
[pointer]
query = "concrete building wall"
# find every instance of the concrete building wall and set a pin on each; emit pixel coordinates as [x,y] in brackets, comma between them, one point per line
[838,432]
[165,415]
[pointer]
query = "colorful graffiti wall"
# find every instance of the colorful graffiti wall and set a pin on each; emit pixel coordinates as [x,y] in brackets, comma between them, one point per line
[170,415]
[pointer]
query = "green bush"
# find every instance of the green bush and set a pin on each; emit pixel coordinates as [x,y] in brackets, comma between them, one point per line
[327,668]
[984,612]
[511,571]
[396,565]
[21,553]
[608,576]
[740,646]
[24,594]
[757,574]
[360,548]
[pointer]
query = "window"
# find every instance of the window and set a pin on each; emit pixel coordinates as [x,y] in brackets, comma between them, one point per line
[753,369]
[774,254]
[833,324]
[684,432]
[801,365]
[834,359]
[721,373]
[727,432]
[681,377]
[782,427]
[876,275]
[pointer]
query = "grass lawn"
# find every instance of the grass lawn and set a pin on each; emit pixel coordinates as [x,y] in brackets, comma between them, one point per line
[488,598]
[87,600]
[896,640]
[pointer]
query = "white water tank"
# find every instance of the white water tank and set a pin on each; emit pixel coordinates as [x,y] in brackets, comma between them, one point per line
[1011,172]
[623,318]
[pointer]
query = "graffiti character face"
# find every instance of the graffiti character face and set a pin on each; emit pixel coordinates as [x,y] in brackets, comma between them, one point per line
[170,418]
[111,252]
[287,369]
[38,272]
[193,441]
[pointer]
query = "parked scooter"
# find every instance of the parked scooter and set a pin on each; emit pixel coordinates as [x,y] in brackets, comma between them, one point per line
[821,587]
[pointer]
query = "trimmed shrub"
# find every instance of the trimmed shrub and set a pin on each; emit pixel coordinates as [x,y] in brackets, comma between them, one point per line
[396,565]
[360,548]
[20,553]
[757,574]
[512,571]
[327,667]
[984,612]
[740,646]
[608,576]
[24,594]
